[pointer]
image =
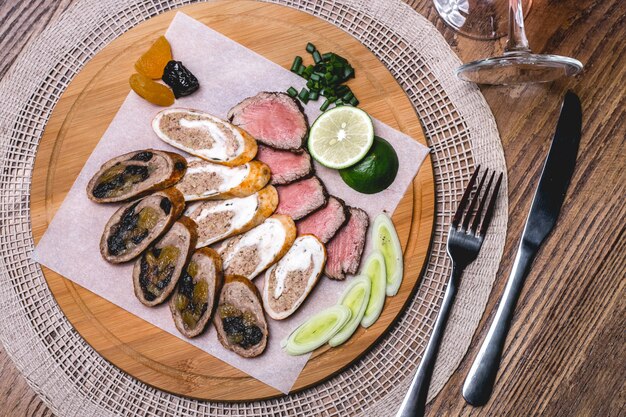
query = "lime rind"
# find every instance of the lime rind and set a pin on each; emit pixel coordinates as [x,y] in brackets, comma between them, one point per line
[374,270]
[316,330]
[341,137]
[355,297]
[386,241]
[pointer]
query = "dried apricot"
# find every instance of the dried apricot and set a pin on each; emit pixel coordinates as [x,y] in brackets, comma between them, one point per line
[153,62]
[152,91]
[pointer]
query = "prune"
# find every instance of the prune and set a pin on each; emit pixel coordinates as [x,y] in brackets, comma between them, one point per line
[138,237]
[186,285]
[144,156]
[164,282]
[233,325]
[166,205]
[116,242]
[240,331]
[180,79]
[251,336]
[114,180]
[104,188]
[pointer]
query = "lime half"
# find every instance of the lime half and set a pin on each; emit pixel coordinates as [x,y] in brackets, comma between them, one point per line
[341,137]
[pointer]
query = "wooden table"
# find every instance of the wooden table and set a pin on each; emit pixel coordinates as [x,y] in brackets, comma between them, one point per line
[566,353]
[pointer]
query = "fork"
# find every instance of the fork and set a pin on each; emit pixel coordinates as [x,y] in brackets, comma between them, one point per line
[464,243]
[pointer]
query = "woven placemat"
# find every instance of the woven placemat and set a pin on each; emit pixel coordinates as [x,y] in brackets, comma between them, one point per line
[72,379]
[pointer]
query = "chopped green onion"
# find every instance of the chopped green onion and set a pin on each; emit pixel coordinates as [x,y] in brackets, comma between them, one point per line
[342,90]
[292,92]
[354,102]
[325,105]
[325,77]
[304,95]
[297,61]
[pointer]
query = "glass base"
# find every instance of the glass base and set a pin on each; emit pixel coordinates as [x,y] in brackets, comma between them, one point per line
[478,19]
[519,68]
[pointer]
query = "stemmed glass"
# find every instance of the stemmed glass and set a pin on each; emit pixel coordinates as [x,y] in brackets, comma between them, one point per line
[476,19]
[518,64]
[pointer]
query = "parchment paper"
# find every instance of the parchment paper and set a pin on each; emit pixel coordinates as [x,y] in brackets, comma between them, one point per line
[70,246]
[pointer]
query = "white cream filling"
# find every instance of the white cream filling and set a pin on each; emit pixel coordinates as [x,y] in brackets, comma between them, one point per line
[212,126]
[231,176]
[305,249]
[268,237]
[243,209]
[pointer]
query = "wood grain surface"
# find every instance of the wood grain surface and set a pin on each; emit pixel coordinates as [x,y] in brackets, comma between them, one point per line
[566,353]
[85,111]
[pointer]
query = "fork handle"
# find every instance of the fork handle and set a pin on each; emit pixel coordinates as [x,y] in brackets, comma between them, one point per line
[415,400]
[482,375]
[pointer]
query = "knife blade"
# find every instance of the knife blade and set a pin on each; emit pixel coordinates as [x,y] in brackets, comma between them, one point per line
[544,212]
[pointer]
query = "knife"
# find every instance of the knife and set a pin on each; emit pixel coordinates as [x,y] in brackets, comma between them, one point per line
[546,205]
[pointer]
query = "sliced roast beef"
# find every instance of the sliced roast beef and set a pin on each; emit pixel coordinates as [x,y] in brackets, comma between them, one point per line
[274,119]
[324,222]
[286,166]
[345,249]
[301,198]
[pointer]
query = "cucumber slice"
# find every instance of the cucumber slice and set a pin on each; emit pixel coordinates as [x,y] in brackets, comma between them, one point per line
[317,330]
[355,297]
[374,269]
[386,241]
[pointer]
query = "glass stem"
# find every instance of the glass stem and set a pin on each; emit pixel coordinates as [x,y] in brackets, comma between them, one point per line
[517,41]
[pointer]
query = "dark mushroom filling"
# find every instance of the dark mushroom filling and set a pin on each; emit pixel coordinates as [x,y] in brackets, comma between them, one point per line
[157,268]
[191,300]
[240,327]
[118,179]
[132,229]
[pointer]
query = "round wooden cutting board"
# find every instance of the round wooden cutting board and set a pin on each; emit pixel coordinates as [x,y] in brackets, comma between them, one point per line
[79,121]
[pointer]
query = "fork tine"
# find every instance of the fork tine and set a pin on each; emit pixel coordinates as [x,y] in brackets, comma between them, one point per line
[459,211]
[481,207]
[468,215]
[490,208]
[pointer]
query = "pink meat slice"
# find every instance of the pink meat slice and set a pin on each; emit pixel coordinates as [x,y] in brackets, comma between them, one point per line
[301,197]
[286,166]
[274,119]
[344,251]
[325,222]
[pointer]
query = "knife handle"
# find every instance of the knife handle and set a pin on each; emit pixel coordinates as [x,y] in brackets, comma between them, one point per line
[482,375]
